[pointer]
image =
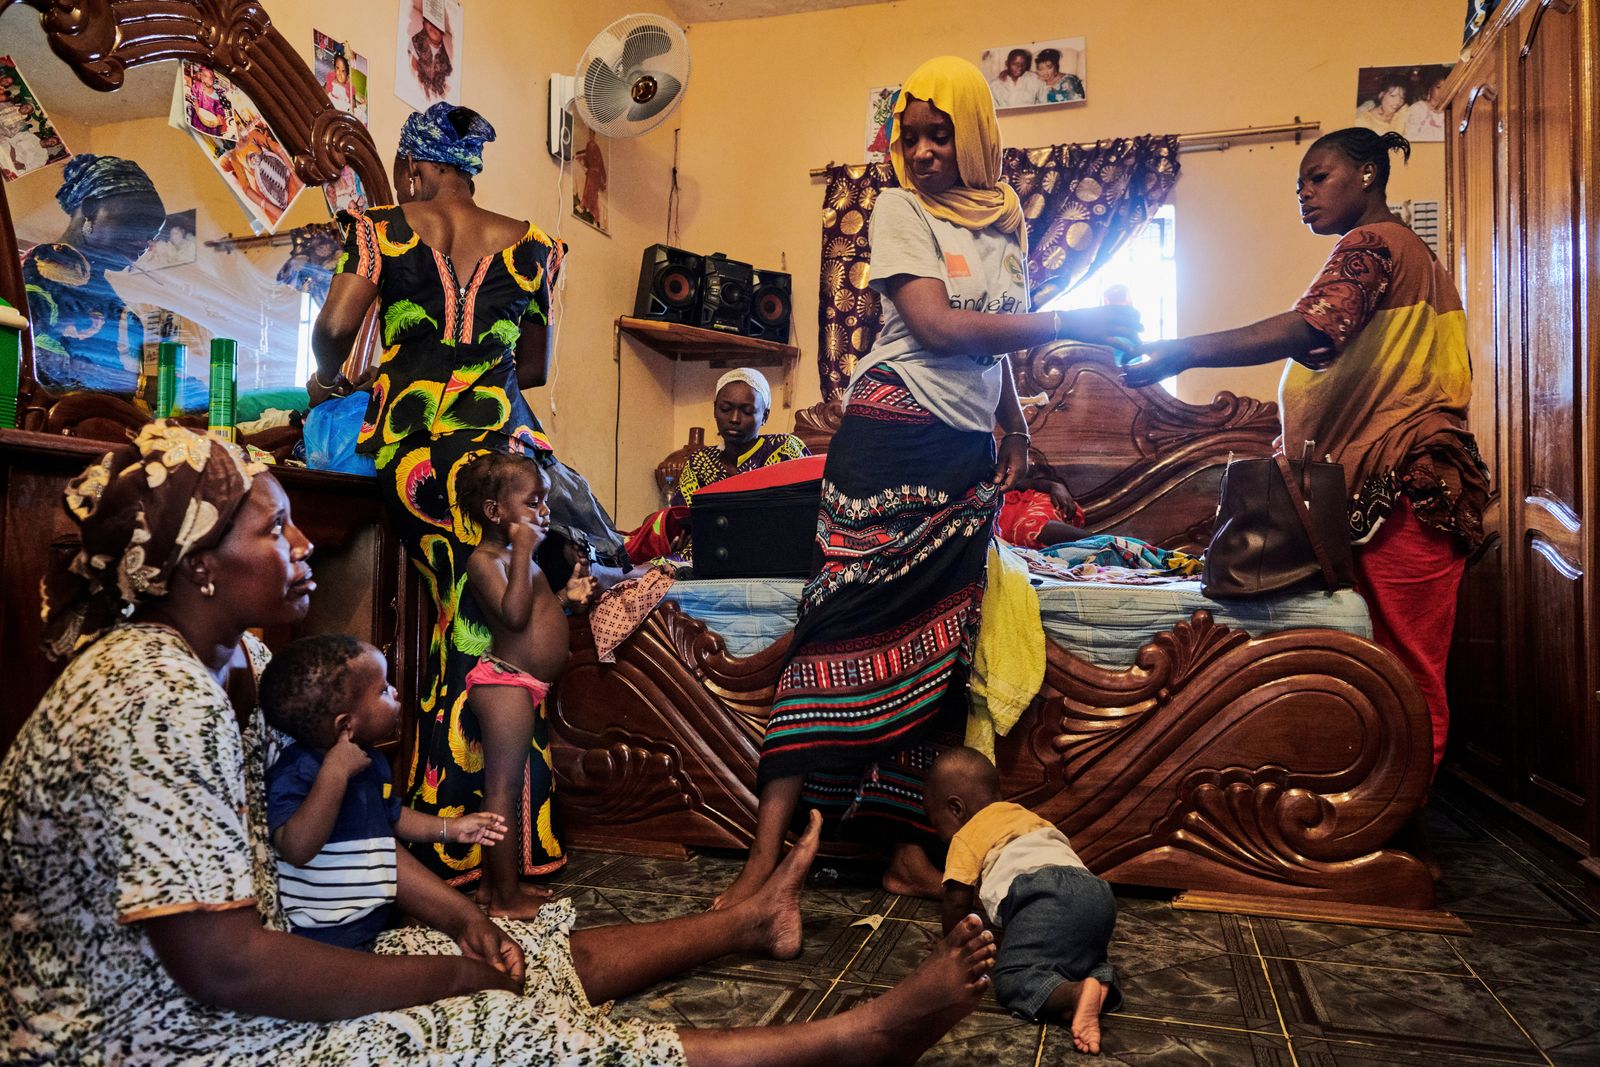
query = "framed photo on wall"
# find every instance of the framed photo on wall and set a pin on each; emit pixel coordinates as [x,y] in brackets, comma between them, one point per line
[1404,100]
[1040,72]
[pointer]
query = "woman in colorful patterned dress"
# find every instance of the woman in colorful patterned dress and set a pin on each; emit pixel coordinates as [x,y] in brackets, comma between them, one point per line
[1379,379]
[464,296]
[140,921]
[912,483]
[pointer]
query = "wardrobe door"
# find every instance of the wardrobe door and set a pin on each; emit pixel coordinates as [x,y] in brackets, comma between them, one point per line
[1547,487]
[1481,733]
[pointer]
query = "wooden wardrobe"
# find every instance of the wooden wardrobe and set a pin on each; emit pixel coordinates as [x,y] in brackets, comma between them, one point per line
[1522,226]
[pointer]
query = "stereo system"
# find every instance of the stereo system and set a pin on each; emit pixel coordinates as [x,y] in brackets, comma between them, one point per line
[714,293]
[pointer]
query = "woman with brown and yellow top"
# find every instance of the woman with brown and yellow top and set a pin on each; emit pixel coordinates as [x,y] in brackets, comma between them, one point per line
[1379,381]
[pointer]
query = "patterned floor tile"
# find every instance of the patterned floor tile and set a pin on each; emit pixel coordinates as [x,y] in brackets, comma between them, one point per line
[1224,990]
[1531,954]
[1139,1042]
[1362,1054]
[698,1000]
[1439,1015]
[1364,945]
[988,1036]
[1562,1017]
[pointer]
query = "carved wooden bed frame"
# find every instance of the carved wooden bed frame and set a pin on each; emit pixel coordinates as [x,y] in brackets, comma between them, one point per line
[1261,772]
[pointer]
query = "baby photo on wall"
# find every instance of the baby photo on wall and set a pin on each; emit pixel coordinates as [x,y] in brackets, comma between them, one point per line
[342,72]
[428,53]
[1042,72]
[1403,100]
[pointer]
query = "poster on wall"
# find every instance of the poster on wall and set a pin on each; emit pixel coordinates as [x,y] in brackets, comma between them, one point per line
[1404,100]
[428,53]
[589,185]
[174,245]
[342,72]
[1041,72]
[880,110]
[253,163]
[28,140]
[346,193]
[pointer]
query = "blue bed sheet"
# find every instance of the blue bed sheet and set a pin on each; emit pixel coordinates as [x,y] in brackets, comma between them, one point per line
[1104,624]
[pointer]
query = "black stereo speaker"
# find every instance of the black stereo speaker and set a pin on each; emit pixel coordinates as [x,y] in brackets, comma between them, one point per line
[770,307]
[669,285]
[725,286]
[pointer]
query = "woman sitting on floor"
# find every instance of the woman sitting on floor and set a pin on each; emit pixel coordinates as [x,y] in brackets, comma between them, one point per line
[140,918]
[741,406]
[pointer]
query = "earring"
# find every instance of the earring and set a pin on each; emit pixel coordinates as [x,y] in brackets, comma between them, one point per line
[208,590]
[1365,182]
[412,185]
[88,227]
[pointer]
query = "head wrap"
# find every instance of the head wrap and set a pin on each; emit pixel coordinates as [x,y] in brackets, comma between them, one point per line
[139,511]
[430,135]
[88,177]
[754,379]
[957,88]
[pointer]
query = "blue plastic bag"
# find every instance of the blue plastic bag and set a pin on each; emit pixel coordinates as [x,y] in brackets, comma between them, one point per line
[330,435]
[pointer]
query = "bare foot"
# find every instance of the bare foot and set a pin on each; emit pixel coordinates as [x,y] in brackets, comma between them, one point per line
[1086,1016]
[910,1018]
[779,931]
[523,903]
[757,870]
[912,874]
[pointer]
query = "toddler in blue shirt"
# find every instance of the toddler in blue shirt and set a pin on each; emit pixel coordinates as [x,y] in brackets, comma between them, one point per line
[331,808]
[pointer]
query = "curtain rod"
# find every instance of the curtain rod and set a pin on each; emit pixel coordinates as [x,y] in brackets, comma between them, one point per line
[1213,140]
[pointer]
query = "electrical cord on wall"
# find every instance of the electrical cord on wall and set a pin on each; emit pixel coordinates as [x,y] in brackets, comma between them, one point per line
[616,432]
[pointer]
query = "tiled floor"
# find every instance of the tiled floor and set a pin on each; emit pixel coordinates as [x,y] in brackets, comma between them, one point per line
[1200,988]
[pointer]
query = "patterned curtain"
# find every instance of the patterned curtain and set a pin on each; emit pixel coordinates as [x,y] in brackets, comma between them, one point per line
[1082,204]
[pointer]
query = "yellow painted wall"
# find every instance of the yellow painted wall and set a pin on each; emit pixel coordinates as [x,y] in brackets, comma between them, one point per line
[772,98]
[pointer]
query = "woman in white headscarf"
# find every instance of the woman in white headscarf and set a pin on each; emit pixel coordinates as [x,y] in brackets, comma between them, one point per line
[744,399]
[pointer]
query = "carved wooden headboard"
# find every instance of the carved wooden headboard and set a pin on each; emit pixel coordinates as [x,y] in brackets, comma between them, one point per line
[1140,461]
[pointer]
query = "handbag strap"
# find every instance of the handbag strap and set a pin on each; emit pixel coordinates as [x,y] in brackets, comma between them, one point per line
[1302,509]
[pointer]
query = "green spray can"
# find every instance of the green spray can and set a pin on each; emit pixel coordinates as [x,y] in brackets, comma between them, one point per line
[224,377]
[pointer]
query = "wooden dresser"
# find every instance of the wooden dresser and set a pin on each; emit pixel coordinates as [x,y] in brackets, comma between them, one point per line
[1521,220]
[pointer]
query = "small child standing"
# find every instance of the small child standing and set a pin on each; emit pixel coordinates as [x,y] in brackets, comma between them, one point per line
[331,809]
[507,495]
[1054,917]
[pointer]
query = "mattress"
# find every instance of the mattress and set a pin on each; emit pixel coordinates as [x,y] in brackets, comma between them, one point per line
[1102,623]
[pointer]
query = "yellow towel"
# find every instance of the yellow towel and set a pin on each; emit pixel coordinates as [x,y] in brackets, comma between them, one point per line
[1008,664]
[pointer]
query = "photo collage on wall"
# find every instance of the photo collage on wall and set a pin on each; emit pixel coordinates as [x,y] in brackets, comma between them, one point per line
[342,72]
[252,162]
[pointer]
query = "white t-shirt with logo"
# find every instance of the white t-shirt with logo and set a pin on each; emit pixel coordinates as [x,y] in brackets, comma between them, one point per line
[982,270]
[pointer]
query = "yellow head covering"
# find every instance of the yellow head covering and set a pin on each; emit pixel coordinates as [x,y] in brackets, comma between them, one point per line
[957,88]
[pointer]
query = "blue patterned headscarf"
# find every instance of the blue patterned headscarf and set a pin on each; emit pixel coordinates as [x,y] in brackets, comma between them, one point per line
[88,177]
[430,135]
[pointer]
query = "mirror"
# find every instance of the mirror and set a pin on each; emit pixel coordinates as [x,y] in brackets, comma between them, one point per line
[196,223]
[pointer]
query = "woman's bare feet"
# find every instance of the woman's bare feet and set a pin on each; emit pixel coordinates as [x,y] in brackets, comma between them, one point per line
[912,874]
[757,871]
[1081,1002]
[778,929]
[911,1018]
[523,902]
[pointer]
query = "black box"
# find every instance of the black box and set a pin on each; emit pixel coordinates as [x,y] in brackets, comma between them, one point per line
[756,533]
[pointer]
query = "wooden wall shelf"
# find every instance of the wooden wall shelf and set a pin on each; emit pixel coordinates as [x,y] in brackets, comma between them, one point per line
[686,344]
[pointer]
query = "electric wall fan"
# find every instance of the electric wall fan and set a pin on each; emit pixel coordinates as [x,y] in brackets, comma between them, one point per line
[631,77]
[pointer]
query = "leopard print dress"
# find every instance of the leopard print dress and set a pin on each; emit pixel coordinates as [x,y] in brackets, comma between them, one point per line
[132,793]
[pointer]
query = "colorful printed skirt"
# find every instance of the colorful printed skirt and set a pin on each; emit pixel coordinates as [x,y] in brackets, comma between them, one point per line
[884,641]
[445,778]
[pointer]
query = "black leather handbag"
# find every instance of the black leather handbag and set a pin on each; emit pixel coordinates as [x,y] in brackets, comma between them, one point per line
[1280,525]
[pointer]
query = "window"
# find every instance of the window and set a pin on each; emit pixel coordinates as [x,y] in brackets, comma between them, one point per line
[1144,273]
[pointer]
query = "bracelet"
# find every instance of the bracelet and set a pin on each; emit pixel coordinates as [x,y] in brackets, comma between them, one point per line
[444,828]
[1025,435]
[316,376]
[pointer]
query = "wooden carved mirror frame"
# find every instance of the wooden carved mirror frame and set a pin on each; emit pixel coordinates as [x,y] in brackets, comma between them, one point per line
[100,40]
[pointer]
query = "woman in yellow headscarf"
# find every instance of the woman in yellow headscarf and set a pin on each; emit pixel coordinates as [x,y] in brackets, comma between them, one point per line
[909,494]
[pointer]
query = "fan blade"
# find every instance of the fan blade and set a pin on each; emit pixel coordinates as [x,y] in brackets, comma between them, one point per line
[644,43]
[605,92]
[667,90]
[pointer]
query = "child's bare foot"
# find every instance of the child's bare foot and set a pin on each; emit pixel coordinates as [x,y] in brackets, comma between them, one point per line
[778,930]
[523,902]
[1081,1002]
[912,874]
[757,870]
[910,1018]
